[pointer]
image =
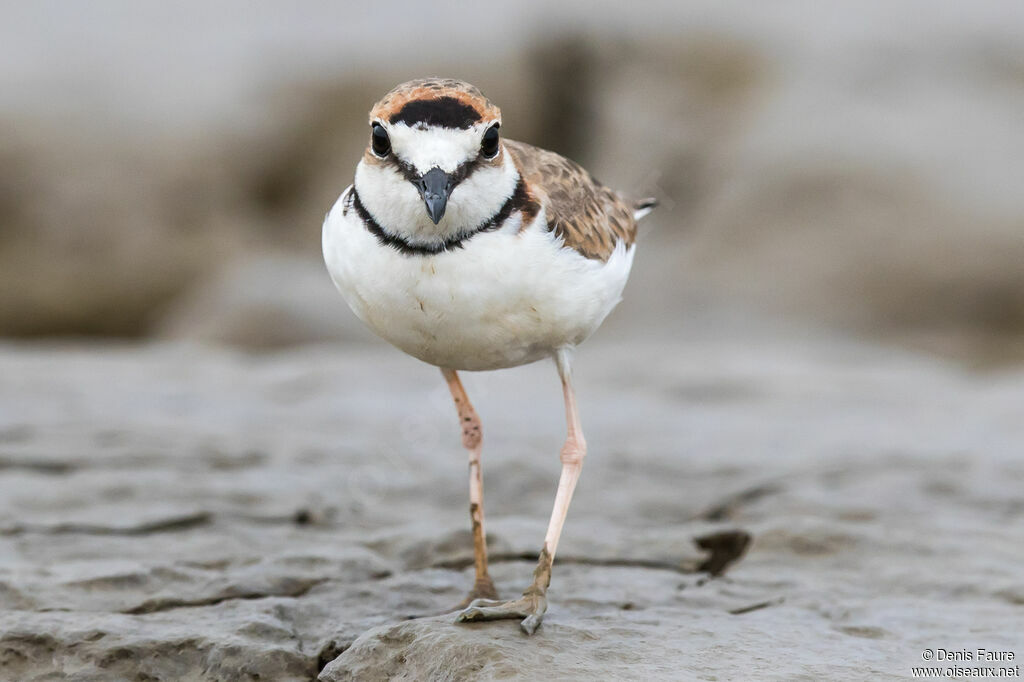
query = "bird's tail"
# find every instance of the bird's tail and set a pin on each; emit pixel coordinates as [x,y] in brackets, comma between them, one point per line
[643,207]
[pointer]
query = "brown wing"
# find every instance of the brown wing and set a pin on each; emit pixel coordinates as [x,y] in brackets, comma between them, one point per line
[588,216]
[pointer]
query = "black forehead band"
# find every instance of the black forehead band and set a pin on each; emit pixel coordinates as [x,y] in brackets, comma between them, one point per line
[445,112]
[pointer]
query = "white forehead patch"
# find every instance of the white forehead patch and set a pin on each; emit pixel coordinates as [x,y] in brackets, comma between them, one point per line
[426,147]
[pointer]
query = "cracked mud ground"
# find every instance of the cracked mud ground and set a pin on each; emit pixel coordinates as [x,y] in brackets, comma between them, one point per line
[177,513]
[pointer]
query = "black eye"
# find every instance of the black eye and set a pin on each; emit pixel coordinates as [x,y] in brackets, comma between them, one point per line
[379,140]
[489,146]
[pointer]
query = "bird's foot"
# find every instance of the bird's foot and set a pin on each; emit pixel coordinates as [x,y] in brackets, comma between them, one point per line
[530,607]
[483,588]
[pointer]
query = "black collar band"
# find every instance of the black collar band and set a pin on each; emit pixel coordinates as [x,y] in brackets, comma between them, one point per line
[519,200]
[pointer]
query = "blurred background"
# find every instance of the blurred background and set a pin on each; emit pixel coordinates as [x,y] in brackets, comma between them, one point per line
[853,167]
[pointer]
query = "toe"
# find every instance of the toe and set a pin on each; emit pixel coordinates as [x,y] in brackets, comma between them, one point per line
[493,611]
[531,608]
[475,613]
[469,615]
[530,624]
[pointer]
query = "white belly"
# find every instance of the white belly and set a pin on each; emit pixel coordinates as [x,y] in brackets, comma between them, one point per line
[507,298]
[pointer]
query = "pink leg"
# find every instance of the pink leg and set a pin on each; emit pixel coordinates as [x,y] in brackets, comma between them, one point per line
[472,439]
[533,604]
[573,452]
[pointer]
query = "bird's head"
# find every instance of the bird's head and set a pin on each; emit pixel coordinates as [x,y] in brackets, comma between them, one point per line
[435,166]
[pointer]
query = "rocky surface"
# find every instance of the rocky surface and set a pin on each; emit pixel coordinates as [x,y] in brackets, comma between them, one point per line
[172,512]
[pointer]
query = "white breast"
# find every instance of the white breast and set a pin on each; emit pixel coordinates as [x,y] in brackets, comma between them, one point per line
[509,297]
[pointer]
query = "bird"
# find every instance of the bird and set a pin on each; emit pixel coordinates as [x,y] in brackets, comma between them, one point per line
[472,252]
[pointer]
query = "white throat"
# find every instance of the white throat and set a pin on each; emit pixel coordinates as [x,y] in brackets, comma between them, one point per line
[395,203]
